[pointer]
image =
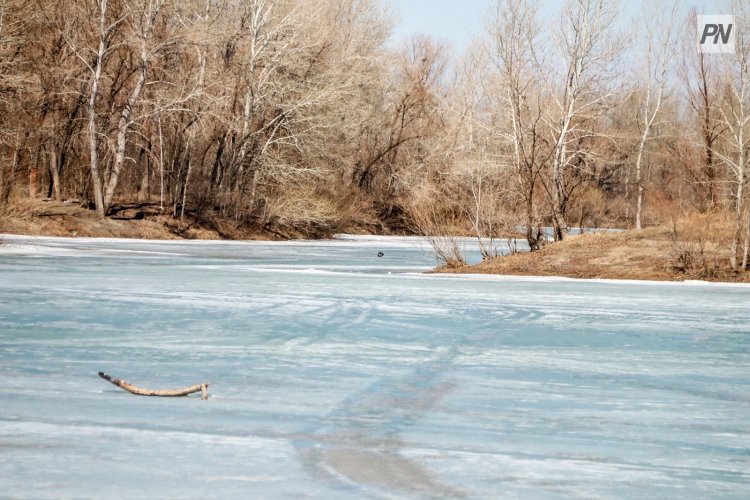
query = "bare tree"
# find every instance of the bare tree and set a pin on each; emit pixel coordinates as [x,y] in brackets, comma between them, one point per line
[698,72]
[586,48]
[408,117]
[735,116]
[94,59]
[660,52]
[271,38]
[513,34]
[473,166]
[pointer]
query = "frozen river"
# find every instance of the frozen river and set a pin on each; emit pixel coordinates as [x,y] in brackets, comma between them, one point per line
[336,373]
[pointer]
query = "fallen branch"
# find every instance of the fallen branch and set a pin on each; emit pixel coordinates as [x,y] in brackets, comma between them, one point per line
[202,388]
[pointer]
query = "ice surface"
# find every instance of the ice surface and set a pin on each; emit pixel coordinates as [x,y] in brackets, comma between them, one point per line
[331,378]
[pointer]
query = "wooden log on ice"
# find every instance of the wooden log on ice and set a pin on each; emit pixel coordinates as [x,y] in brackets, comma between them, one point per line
[170,393]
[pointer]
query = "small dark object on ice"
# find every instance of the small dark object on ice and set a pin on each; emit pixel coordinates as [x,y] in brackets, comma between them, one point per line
[380,254]
[202,388]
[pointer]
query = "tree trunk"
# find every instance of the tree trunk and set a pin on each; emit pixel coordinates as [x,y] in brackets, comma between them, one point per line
[33,181]
[185,186]
[639,205]
[737,223]
[532,236]
[93,139]
[648,122]
[746,248]
[94,156]
[144,192]
[639,180]
[54,172]
[253,190]
[8,178]
[559,196]
[740,193]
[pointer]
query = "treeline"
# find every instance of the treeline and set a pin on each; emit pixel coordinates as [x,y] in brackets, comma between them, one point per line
[284,113]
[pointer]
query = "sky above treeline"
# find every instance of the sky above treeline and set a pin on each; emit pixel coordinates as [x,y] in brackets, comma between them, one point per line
[458,22]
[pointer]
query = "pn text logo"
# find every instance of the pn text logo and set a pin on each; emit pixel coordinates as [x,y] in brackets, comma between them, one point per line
[716,34]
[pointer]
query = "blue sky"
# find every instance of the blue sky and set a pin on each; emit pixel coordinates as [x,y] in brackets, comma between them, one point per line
[453,21]
[457,21]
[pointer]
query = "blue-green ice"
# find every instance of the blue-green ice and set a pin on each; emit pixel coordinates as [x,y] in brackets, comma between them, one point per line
[336,373]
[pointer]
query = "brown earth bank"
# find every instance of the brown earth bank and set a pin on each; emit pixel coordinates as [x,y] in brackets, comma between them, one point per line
[668,253]
[147,221]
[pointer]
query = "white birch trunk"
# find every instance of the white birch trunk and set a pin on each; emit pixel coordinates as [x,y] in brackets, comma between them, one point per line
[93,136]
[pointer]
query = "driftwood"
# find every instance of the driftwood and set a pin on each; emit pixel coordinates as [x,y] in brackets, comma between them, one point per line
[202,388]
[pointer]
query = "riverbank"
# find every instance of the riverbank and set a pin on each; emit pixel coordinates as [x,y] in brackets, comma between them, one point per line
[674,253]
[146,221]
[695,249]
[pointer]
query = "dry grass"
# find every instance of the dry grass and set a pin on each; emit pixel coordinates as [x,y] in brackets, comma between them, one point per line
[314,213]
[693,248]
[301,209]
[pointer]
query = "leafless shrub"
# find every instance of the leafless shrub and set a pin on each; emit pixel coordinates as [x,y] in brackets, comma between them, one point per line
[430,222]
[688,253]
[302,209]
[589,207]
[448,252]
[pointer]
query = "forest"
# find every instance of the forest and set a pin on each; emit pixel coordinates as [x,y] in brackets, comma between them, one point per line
[305,115]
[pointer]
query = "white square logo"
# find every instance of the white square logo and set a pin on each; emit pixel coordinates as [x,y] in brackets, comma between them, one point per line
[716,34]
